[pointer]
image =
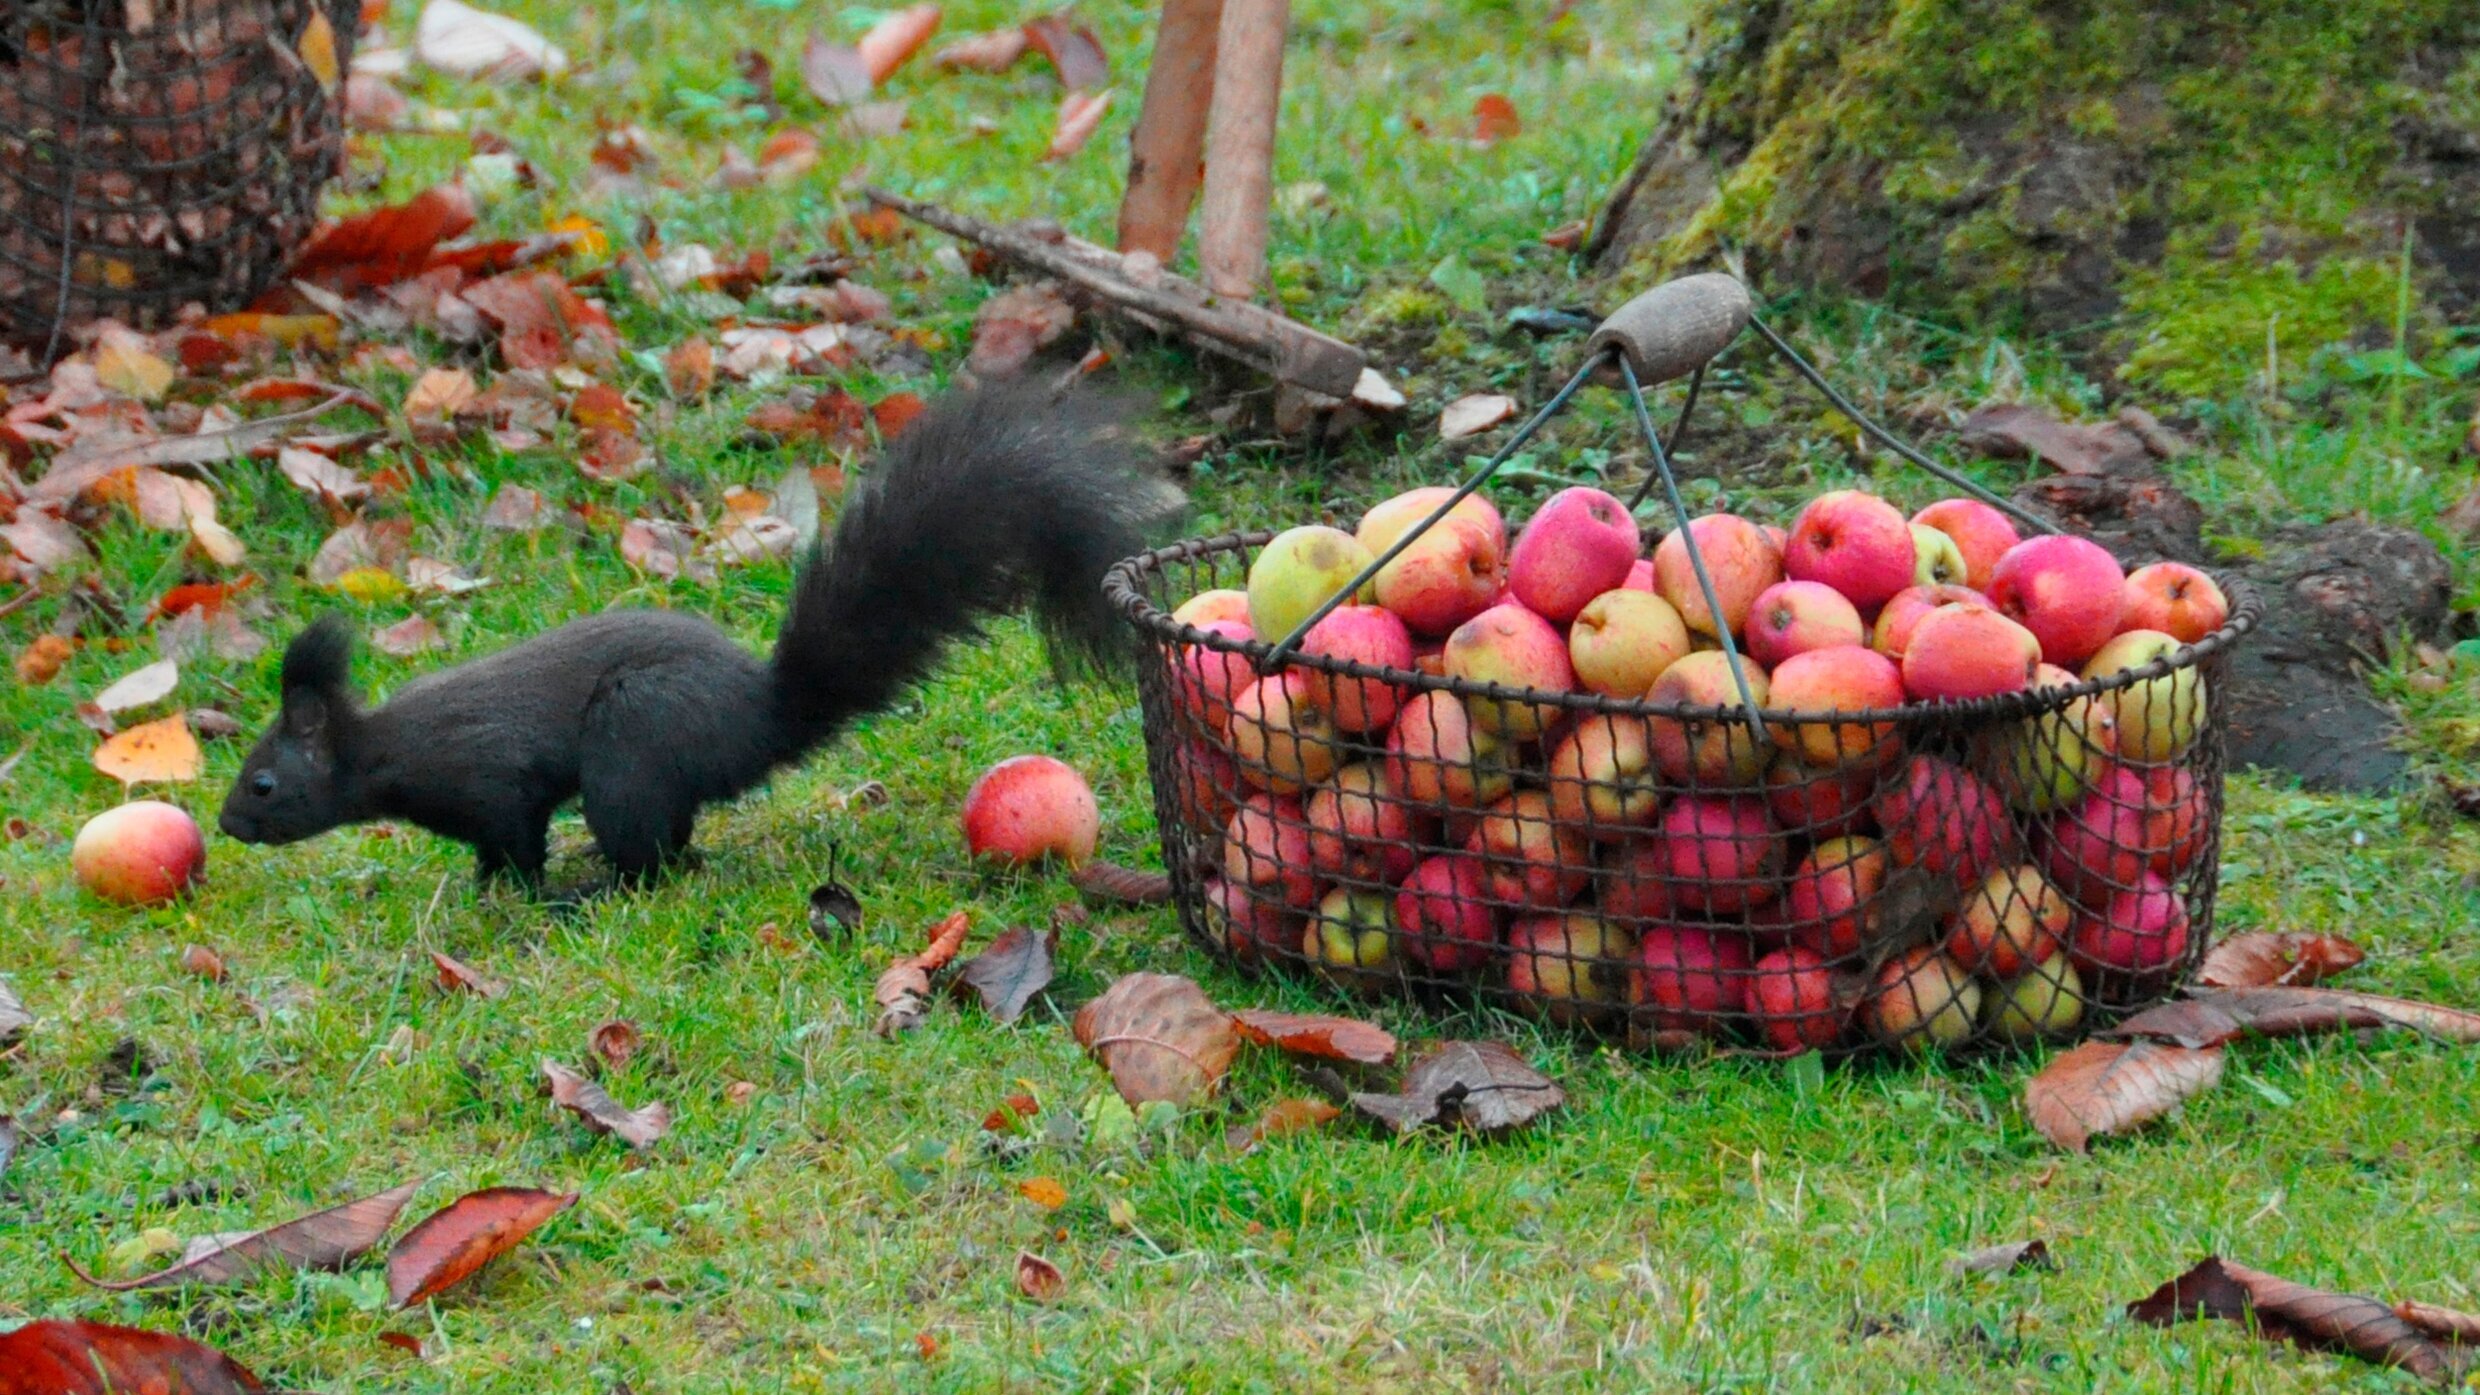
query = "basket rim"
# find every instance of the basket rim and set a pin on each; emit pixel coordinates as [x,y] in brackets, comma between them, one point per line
[1120,587]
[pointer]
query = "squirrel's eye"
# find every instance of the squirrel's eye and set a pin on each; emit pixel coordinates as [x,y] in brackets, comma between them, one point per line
[263,783]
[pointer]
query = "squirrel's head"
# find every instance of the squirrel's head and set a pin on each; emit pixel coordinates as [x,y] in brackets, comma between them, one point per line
[291,787]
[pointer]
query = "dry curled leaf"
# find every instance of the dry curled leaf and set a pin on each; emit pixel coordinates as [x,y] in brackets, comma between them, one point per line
[1315,1034]
[439,394]
[1160,1037]
[615,1042]
[161,751]
[638,1128]
[992,52]
[1281,1118]
[40,662]
[1007,975]
[2010,1258]
[2212,1016]
[2104,1087]
[1015,324]
[455,976]
[2296,1313]
[1074,50]
[2444,1324]
[1482,1085]
[319,477]
[1080,115]
[896,38]
[466,1234]
[326,1239]
[513,509]
[2263,959]
[57,1356]
[140,687]
[1108,881]
[904,988]
[834,911]
[1039,1279]
[689,369]
[1471,415]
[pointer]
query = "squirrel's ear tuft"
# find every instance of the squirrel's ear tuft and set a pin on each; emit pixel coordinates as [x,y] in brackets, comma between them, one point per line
[319,658]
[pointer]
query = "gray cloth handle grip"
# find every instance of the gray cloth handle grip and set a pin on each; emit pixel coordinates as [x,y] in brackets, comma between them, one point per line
[1669,331]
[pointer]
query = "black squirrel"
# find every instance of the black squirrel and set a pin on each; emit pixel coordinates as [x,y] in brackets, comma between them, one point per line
[649,715]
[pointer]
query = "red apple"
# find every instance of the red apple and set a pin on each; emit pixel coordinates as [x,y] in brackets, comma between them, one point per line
[1981,533]
[2141,930]
[1892,634]
[1708,753]
[1640,576]
[1856,543]
[2067,590]
[1515,648]
[1830,900]
[1266,850]
[1205,681]
[1533,861]
[1208,607]
[1571,967]
[2013,920]
[1447,922]
[2176,599]
[1359,829]
[1283,740]
[1936,561]
[1960,652]
[1447,576]
[1027,808]
[2104,842]
[1437,757]
[1206,783]
[2175,823]
[1946,820]
[1845,678]
[1791,996]
[1818,801]
[1690,978]
[1602,775]
[1722,854]
[1634,886]
[1921,999]
[1739,558]
[1622,640]
[147,852]
[1794,617]
[1361,634]
[1580,543]
[1249,926]
[1390,519]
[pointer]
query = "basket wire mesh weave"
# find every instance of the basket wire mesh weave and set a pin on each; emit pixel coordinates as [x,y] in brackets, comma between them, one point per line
[1692,865]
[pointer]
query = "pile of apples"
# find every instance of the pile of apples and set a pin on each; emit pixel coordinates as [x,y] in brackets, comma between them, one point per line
[1845,878]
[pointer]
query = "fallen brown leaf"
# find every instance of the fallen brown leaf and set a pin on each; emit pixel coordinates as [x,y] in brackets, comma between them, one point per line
[1471,415]
[2004,1259]
[1080,115]
[1010,1111]
[1074,50]
[1044,1192]
[1483,1085]
[326,1239]
[992,52]
[1495,119]
[408,637]
[896,38]
[639,1128]
[2295,1313]
[319,477]
[615,1042]
[1281,1118]
[457,976]
[458,39]
[1015,324]
[57,1356]
[159,751]
[39,663]
[1108,881]
[1314,1034]
[896,411]
[2444,1324]
[439,394]
[1039,1279]
[140,687]
[202,962]
[1160,1037]
[1007,975]
[2265,959]
[903,992]
[2211,1016]
[835,74]
[2013,430]
[466,1234]
[378,544]
[2105,1087]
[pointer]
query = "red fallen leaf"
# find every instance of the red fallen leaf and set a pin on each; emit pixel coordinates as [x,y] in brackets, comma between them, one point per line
[513,509]
[1566,237]
[1495,120]
[608,454]
[903,990]
[615,1042]
[1160,1037]
[205,597]
[466,1234]
[405,1342]
[543,323]
[1132,886]
[638,1128]
[1017,965]
[833,418]
[689,369]
[896,411]
[1283,1117]
[55,1356]
[1015,324]
[657,546]
[993,52]
[385,245]
[1072,47]
[1011,1110]
[624,149]
[327,1239]
[2295,1313]
[788,154]
[2212,1016]
[2104,1087]
[896,38]
[456,975]
[868,225]
[203,962]
[834,74]
[601,405]
[1080,114]
[1039,1279]
[2263,959]
[1315,1034]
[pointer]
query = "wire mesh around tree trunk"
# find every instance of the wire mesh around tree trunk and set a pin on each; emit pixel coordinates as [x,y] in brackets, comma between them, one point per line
[159,153]
[1958,874]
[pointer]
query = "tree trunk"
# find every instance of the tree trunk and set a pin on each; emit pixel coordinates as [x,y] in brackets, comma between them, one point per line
[2184,186]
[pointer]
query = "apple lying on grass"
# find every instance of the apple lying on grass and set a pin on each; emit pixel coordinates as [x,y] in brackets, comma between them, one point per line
[147,852]
[1027,808]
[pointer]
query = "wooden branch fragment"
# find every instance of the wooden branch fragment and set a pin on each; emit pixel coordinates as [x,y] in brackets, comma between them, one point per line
[1248,95]
[1138,286]
[1166,151]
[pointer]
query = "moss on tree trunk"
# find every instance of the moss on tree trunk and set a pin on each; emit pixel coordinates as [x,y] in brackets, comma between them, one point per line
[2180,186]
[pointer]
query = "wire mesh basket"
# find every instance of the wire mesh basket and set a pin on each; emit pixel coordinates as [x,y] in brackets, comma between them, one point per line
[159,153]
[1692,865]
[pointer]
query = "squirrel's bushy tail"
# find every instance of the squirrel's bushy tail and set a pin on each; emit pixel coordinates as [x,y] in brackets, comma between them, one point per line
[994,496]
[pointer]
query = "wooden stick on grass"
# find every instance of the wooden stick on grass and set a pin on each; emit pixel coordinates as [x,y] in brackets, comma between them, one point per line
[1166,152]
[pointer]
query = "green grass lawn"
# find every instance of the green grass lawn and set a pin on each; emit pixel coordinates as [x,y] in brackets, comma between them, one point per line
[1708,1225]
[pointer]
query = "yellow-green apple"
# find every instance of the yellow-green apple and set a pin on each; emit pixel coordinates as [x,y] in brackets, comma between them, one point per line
[1920,999]
[1830,899]
[1739,558]
[1533,860]
[1206,783]
[1361,634]
[2067,590]
[1965,651]
[1578,544]
[2156,718]
[1351,935]
[1570,967]
[1982,534]
[1709,753]
[1944,819]
[1818,802]
[2042,763]
[2013,920]
[1447,923]
[147,852]
[1359,829]
[2176,599]
[1445,577]
[1791,999]
[1936,561]
[1247,925]
[1204,680]
[2103,843]
[1207,607]
[1892,633]
[1027,808]
[1622,640]
[1283,740]
[1721,853]
[1266,850]
[1854,542]
[1390,519]
[1514,648]
[2047,1001]
[1437,757]
[2141,930]
[1793,617]
[1690,978]
[1602,775]
[1296,573]
[1844,678]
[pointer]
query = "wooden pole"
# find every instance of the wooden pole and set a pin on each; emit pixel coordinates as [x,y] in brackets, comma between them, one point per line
[1166,152]
[1248,94]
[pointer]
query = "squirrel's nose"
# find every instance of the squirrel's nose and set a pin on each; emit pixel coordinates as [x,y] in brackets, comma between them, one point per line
[236,825]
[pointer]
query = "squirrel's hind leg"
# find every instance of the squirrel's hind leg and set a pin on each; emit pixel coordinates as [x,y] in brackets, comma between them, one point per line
[517,850]
[638,829]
